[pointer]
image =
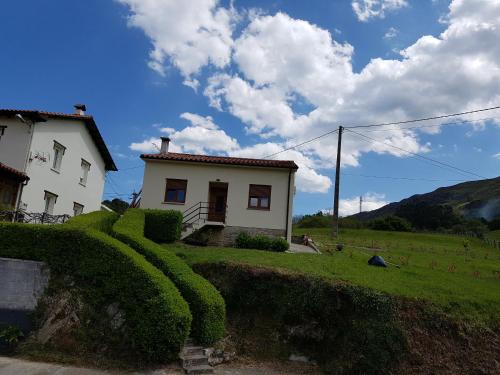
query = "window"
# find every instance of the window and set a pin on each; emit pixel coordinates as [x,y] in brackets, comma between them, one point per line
[259,197]
[59,150]
[77,209]
[175,191]
[50,201]
[85,172]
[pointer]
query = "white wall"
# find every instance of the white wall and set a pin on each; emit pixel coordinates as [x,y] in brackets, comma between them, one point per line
[75,137]
[238,179]
[14,143]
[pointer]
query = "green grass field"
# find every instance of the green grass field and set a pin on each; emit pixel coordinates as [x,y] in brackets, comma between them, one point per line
[494,235]
[464,284]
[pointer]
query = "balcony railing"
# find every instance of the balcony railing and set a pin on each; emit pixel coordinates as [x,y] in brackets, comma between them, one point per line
[32,217]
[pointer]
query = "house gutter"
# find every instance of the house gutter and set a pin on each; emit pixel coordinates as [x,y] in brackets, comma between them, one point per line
[288,204]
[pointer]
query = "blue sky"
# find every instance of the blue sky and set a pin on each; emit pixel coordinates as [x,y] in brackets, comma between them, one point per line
[270,74]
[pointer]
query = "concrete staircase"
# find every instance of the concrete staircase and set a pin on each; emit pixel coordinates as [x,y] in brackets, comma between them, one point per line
[194,359]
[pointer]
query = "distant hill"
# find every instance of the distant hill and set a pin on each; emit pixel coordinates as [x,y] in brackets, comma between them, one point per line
[473,199]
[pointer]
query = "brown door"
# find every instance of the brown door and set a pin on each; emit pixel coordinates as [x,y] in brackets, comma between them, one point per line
[217,202]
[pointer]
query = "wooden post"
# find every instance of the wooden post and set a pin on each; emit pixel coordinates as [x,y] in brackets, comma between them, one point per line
[337,186]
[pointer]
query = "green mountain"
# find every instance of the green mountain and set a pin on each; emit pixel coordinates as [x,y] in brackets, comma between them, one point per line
[472,199]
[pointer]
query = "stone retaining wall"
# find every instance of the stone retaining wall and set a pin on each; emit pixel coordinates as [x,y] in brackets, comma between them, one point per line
[226,236]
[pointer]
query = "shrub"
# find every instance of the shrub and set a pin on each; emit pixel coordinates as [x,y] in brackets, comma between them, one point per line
[279,245]
[99,220]
[162,226]
[347,329]
[391,223]
[206,304]
[260,242]
[157,319]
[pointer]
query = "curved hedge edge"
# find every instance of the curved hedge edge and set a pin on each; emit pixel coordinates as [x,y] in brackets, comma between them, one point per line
[100,220]
[347,329]
[162,226]
[157,317]
[206,303]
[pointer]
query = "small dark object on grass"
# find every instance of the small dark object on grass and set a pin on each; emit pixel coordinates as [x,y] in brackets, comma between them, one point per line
[340,247]
[377,260]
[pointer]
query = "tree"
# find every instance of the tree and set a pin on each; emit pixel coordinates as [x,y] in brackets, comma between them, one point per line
[116,205]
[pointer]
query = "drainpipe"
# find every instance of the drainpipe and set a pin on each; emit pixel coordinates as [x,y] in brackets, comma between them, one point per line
[288,205]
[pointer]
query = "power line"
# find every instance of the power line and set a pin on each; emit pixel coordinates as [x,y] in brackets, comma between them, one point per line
[402,178]
[435,125]
[423,119]
[391,123]
[434,162]
[301,144]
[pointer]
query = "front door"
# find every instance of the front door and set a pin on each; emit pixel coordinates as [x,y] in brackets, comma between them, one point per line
[217,201]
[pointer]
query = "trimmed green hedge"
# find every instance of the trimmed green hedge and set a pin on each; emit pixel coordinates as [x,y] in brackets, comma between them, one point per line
[345,328]
[157,319]
[259,242]
[162,226]
[99,220]
[205,302]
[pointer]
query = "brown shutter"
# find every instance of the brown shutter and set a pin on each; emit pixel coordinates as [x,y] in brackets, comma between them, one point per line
[260,191]
[176,184]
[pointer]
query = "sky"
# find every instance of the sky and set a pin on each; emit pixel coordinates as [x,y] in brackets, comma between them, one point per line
[253,78]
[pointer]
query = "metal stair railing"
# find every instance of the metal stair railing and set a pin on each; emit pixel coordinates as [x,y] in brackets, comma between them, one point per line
[200,212]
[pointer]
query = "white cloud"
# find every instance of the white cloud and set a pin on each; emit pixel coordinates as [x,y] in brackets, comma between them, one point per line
[391,33]
[367,9]
[201,136]
[371,201]
[307,179]
[497,156]
[291,80]
[188,34]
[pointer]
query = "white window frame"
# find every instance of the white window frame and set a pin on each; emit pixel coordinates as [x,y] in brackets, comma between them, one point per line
[85,166]
[49,206]
[59,151]
[77,208]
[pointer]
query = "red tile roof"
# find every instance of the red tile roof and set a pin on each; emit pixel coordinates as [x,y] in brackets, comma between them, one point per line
[41,116]
[270,163]
[18,175]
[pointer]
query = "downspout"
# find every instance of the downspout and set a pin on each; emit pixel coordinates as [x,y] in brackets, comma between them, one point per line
[31,129]
[288,204]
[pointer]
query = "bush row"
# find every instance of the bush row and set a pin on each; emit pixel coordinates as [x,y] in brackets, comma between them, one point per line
[162,226]
[259,242]
[205,302]
[345,328]
[157,319]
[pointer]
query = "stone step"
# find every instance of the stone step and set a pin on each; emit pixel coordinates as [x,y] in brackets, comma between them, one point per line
[203,369]
[194,360]
[192,350]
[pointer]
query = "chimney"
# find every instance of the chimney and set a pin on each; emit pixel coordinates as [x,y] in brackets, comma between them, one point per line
[80,109]
[164,145]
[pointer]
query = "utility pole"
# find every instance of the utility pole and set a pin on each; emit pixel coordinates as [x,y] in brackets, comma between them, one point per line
[360,203]
[337,186]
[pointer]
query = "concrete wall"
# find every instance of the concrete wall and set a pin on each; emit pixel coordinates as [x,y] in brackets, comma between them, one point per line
[238,179]
[14,143]
[22,283]
[65,183]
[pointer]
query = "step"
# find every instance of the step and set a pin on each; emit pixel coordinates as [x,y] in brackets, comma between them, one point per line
[192,350]
[194,360]
[203,369]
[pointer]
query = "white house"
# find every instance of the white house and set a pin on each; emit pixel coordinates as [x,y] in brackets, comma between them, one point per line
[52,162]
[225,193]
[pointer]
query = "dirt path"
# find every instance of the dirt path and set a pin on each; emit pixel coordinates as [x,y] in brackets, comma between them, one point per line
[13,366]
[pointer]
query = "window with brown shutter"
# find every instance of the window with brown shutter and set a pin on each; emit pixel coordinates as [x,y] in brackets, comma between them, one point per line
[259,197]
[175,191]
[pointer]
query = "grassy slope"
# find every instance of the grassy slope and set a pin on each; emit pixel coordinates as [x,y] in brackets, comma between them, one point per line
[460,293]
[495,235]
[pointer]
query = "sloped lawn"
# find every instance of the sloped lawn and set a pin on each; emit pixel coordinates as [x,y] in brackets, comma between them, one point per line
[462,282]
